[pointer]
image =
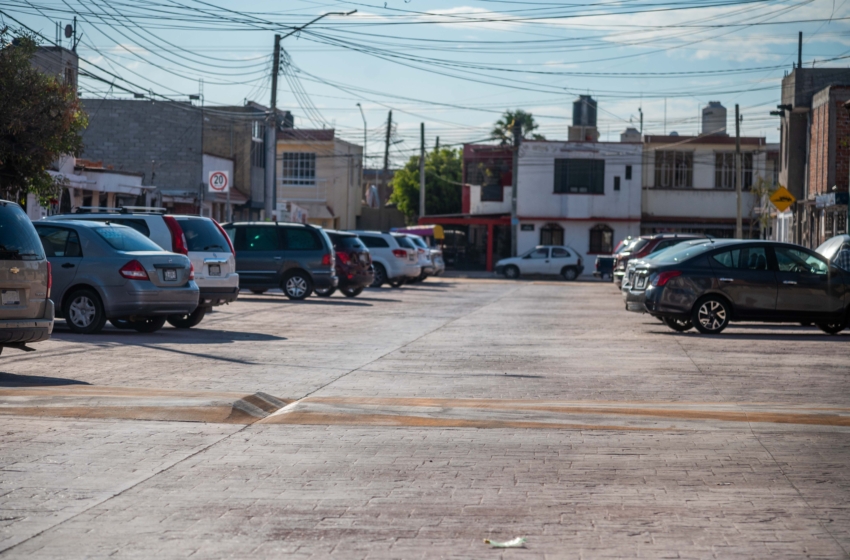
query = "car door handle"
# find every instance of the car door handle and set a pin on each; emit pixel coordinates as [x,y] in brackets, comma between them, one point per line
[68,265]
[727,279]
[278,258]
[790,282]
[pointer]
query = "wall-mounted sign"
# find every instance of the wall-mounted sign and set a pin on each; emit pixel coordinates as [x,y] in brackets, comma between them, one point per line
[527,227]
[219,181]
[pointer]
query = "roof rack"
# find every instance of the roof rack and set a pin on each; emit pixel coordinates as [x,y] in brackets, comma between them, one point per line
[90,209]
[148,209]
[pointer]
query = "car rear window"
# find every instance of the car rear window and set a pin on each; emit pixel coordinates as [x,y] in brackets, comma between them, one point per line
[638,244]
[18,238]
[348,242]
[122,238]
[404,242]
[682,252]
[418,241]
[202,235]
[374,242]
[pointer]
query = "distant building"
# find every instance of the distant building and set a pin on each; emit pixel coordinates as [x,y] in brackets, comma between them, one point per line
[59,62]
[376,212]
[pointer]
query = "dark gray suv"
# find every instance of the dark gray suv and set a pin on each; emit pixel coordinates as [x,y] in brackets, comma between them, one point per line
[297,258]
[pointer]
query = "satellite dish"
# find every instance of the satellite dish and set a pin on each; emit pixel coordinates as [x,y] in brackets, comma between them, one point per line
[69,31]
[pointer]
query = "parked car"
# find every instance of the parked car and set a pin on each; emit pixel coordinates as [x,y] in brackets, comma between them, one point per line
[297,258]
[107,271]
[709,285]
[394,261]
[646,245]
[543,259]
[604,267]
[837,251]
[26,311]
[424,252]
[201,239]
[353,265]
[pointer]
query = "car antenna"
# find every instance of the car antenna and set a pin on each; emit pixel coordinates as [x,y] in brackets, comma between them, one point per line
[710,238]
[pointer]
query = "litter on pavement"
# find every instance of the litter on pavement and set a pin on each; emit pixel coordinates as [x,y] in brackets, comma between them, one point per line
[518,542]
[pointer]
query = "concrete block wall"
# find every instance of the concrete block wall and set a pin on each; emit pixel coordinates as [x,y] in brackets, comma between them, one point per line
[160,139]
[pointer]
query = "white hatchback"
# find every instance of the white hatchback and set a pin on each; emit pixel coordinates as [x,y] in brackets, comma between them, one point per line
[543,259]
[394,261]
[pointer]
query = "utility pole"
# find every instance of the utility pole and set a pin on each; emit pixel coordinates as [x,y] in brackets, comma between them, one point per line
[640,110]
[387,141]
[437,148]
[363,159]
[270,195]
[739,227]
[800,49]
[421,170]
[517,131]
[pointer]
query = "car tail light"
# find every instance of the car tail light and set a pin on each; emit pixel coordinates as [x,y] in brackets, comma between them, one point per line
[400,253]
[134,271]
[343,257]
[224,233]
[191,271]
[597,264]
[327,259]
[178,239]
[49,277]
[665,277]
[421,251]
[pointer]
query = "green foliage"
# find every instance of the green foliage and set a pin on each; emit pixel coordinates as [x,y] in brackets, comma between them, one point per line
[503,129]
[443,170]
[40,120]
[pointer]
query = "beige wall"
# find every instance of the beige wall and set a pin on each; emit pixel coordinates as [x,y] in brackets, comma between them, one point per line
[338,177]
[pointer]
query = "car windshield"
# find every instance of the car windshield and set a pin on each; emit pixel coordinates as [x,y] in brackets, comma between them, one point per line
[18,238]
[682,252]
[122,238]
[830,247]
[202,235]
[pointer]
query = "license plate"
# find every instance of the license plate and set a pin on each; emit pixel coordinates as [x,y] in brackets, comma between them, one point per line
[10,297]
[641,282]
[170,274]
[215,270]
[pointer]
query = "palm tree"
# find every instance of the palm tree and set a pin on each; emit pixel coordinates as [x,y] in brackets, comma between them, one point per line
[503,129]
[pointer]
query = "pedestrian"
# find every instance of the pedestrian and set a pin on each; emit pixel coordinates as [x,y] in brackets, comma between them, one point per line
[842,259]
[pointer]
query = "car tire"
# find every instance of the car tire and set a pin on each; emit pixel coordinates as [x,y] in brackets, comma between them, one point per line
[122,324]
[569,273]
[83,312]
[396,282]
[711,315]
[148,325]
[832,328]
[380,276]
[324,292]
[258,292]
[678,325]
[188,320]
[297,285]
[351,292]
[511,272]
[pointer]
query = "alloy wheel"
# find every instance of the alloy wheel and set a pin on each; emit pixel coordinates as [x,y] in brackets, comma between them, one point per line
[296,286]
[82,311]
[712,316]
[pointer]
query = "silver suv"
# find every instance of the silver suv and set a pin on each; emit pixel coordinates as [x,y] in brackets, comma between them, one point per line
[26,312]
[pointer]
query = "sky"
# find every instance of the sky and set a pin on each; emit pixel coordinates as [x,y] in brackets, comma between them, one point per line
[456,66]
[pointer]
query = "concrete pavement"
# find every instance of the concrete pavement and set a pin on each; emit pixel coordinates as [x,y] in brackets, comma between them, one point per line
[414,423]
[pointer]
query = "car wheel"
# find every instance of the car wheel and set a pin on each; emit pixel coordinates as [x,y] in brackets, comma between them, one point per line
[187,320]
[297,285]
[84,312]
[832,328]
[396,282]
[678,325]
[711,315]
[147,324]
[351,292]
[325,292]
[569,273]
[122,324]
[380,276]
[258,292]
[511,272]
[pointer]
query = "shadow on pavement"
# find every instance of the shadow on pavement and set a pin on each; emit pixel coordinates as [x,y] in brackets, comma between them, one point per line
[310,301]
[198,335]
[13,380]
[732,335]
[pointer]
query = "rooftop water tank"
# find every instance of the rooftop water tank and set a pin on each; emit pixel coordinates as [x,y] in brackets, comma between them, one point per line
[584,111]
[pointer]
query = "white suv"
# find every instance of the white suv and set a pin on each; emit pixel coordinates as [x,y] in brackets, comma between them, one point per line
[394,262]
[201,239]
[543,259]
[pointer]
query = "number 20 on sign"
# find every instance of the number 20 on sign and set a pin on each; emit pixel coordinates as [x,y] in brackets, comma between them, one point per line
[219,181]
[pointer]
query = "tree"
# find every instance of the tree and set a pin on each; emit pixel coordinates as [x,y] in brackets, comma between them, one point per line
[442,184]
[40,120]
[503,129]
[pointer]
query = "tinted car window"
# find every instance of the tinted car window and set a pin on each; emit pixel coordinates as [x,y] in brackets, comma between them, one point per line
[260,238]
[794,260]
[59,242]
[558,253]
[404,242]
[139,225]
[682,253]
[374,242]
[18,239]
[348,242]
[638,245]
[419,242]
[126,239]
[298,239]
[202,235]
[747,258]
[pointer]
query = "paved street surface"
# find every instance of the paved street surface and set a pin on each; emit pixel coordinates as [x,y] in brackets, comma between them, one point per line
[415,423]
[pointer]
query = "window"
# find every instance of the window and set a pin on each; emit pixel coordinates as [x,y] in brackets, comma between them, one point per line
[18,239]
[794,260]
[139,225]
[724,170]
[628,173]
[258,130]
[558,253]
[674,169]
[582,176]
[542,253]
[601,240]
[202,235]
[748,258]
[551,234]
[300,239]
[492,193]
[258,153]
[122,238]
[299,169]
[59,242]
[373,242]
[260,238]
[616,183]
[403,241]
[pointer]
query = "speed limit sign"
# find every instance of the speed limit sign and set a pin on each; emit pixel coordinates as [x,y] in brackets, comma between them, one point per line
[219,181]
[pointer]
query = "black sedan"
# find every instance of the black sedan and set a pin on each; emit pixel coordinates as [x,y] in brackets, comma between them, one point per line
[708,285]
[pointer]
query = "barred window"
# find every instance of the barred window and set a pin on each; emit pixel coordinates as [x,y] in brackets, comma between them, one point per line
[601,239]
[258,155]
[724,170]
[299,169]
[581,176]
[674,169]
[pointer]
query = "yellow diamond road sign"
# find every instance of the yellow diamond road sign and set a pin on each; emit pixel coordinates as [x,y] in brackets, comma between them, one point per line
[782,199]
